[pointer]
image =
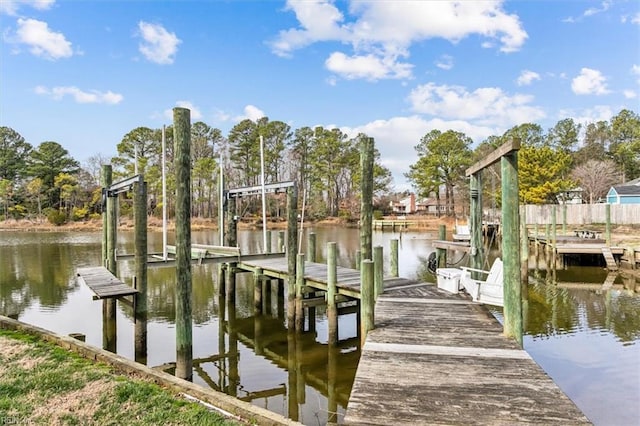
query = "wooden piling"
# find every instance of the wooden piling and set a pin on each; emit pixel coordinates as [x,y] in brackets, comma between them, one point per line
[257,291]
[299,295]
[110,235]
[394,258]
[106,181]
[332,291]
[477,256]
[232,223]
[441,254]
[280,243]
[378,271]
[367,299]
[511,248]
[292,251]
[311,247]
[182,150]
[524,254]
[366,192]
[140,305]
[268,248]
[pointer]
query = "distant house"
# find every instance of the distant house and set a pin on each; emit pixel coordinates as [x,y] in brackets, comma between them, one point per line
[624,194]
[431,206]
[405,206]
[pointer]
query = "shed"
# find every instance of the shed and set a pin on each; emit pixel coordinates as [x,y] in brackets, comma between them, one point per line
[624,194]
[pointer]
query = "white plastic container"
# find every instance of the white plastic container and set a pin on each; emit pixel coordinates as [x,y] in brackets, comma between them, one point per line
[449,279]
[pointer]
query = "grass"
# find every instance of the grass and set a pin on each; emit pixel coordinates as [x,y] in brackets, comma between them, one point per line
[42,384]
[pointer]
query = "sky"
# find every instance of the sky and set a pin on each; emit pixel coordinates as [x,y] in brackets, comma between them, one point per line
[85,73]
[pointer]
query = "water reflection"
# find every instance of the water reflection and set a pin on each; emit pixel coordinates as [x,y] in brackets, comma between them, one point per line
[582,328]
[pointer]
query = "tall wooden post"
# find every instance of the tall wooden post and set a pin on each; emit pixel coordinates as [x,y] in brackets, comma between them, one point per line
[268,248]
[140,305]
[292,251]
[281,239]
[182,150]
[477,255]
[299,287]
[232,223]
[257,291]
[367,299]
[394,258]
[106,181]
[554,225]
[441,254]
[311,247]
[366,204]
[332,280]
[109,335]
[378,271]
[511,248]
[524,254]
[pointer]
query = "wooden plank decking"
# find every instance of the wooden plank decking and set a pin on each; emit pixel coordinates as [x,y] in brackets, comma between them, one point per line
[103,283]
[437,358]
[315,275]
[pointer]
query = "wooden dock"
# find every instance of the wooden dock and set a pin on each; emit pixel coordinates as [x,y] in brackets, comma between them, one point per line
[437,358]
[103,283]
[315,275]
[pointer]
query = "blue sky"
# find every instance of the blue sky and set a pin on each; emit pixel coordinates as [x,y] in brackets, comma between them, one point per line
[85,73]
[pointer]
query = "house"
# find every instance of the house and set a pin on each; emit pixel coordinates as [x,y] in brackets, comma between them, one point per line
[625,194]
[405,206]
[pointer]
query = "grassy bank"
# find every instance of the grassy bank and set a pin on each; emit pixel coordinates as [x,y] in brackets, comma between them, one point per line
[41,383]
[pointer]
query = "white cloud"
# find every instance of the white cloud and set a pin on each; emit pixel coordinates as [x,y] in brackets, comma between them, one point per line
[445,62]
[527,77]
[604,6]
[80,96]
[253,113]
[589,115]
[485,106]
[589,82]
[194,111]
[42,41]
[10,7]
[158,45]
[383,31]
[630,94]
[636,19]
[369,67]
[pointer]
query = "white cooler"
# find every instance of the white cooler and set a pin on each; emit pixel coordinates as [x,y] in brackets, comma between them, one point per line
[449,279]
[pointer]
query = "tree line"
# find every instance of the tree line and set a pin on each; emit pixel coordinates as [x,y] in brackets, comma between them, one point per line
[568,159]
[45,181]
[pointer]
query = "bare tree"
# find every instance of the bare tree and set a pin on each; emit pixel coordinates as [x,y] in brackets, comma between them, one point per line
[596,177]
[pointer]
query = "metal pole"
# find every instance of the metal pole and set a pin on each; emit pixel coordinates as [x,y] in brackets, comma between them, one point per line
[264,199]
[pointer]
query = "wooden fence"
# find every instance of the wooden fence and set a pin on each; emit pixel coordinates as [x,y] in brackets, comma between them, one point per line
[583,214]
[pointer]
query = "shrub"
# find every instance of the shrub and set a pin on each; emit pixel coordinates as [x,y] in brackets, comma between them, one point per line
[56,217]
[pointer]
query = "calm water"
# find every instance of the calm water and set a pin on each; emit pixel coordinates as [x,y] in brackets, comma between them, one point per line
[586,339]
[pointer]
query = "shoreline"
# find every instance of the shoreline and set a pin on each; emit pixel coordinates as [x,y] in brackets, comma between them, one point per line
[625,235]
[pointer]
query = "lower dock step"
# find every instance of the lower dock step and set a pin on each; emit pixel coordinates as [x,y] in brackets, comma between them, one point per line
[608,257]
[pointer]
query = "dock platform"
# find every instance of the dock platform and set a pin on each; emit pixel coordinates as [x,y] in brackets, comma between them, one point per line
[315,275]
[438,358]
[103,283]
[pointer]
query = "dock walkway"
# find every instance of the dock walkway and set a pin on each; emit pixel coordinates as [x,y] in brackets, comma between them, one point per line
[315,275]
[437,358]
[103,283]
